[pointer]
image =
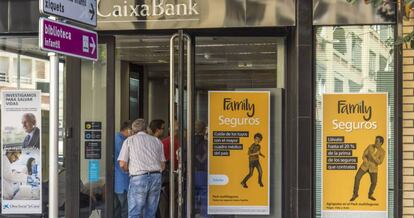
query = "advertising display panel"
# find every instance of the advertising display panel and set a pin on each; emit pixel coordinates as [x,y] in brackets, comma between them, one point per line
[21,152]
[354,155]
[238,141]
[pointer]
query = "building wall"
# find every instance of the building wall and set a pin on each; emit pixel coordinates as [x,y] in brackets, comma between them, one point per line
[408,125]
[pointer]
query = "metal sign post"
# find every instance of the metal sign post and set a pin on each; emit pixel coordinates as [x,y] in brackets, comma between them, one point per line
[68,40]
[53,134]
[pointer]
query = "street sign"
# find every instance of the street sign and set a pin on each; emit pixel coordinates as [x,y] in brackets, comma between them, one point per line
[83,11]
[67,39]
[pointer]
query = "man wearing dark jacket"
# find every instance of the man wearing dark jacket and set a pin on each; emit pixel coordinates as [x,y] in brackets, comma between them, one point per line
[33,133]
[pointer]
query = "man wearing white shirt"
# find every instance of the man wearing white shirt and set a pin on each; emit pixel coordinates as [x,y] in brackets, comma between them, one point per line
[142,156]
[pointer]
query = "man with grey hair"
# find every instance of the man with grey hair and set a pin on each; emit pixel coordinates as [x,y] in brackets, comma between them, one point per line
[142,155]
[33,133]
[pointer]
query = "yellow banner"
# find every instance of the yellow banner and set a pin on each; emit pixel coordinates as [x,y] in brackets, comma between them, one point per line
[238,152]
[354,155]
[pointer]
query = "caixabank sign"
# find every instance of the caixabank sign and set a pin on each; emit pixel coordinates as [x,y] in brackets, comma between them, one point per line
[156,8]
[175,14]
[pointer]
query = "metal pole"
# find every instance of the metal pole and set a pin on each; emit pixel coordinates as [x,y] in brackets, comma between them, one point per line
[53,134]
[180,117]
[189,127]
[172,132]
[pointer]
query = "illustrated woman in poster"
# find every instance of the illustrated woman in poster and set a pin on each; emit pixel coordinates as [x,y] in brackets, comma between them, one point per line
[254,153]
[12,179]
[373,156]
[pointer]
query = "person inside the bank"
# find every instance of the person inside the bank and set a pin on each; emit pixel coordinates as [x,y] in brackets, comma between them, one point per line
[254,153]
[121,177]
[373,156]
[142,156]
[166,175]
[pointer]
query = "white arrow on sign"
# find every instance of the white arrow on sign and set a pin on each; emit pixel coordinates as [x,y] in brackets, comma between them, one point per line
[92,45]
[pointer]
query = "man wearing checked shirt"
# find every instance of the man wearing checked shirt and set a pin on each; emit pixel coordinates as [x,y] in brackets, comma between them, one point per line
[142,156]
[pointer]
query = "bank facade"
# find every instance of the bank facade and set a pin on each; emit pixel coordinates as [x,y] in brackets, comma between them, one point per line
[166,59]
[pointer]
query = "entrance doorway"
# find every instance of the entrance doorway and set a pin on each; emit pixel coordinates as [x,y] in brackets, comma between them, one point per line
[133,78]
[219,63]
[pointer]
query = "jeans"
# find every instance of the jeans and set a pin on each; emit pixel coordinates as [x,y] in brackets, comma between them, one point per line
[121,205]
[143,195]
[358,176]
[254,164]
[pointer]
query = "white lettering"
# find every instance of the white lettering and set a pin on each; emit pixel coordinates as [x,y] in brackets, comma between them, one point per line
[58,32]
[351,126]
[169,9]
[152,8]
[157,9]
[134,11]
[239,121]
[179,7]
[145,11]
[117,11]
[192,8]
[98,11]
[125,8]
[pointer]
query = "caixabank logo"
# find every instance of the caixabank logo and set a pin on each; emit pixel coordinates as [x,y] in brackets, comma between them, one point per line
[154,8]
[7,206]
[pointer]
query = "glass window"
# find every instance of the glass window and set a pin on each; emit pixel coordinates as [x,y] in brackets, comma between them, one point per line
[4,69]
[93,138]
[339,85]
[382,63]
[372,62]
[357,77]
[356,51]
[339,40]
[24,66]
[236,64]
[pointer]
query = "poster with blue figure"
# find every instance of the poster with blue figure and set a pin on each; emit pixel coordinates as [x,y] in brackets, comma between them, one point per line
[93,171]
[21,122]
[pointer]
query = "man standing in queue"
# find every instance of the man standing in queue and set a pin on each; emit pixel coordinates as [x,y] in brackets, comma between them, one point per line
[121,177]
[142,156]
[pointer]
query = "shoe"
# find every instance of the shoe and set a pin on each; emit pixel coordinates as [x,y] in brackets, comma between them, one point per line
[244,185]
[353,198]
[372,198]
[261,184]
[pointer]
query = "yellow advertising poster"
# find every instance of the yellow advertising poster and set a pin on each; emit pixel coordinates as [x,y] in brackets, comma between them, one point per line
[238,152]
[354,155]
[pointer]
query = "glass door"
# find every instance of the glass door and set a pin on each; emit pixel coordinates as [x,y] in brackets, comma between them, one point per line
[181,84]
[152,83]
[236,139]
[90,134]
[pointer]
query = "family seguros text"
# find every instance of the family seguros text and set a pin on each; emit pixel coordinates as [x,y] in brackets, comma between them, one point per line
[344,107]
[230,104]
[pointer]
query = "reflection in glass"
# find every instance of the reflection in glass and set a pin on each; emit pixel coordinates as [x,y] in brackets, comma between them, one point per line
[361,62]
[93,109]
[24,66]
[233,64]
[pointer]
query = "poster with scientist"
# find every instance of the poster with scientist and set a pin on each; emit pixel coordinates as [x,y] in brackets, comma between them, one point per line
[21,152]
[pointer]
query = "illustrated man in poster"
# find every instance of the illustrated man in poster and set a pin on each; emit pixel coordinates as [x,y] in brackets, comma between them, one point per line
[254,152]
[373,156]
[29,125]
